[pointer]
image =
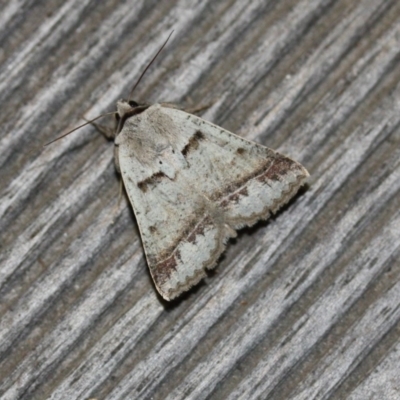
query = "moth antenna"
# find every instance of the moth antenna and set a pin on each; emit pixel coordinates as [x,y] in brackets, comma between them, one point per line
[148,66]
[80,126]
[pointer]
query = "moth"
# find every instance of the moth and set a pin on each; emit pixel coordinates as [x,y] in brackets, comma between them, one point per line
[192,185]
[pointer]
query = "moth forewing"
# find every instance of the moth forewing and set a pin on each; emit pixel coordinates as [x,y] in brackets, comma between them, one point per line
[192,184]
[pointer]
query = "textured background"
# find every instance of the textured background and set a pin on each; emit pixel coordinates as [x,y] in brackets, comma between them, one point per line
[304,306]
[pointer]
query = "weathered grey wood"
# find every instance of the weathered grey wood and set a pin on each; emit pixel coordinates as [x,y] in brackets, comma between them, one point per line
[304,306]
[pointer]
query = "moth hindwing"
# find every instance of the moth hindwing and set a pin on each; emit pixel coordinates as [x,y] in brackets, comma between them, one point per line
[192,184]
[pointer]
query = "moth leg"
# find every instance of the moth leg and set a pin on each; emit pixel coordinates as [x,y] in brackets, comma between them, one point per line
[190,110]
[116,159]
[121,187]
[114,212]
[108,132]
[201,107]
[171,105]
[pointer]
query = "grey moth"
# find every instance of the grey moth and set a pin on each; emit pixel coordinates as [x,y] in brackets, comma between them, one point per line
[192,185]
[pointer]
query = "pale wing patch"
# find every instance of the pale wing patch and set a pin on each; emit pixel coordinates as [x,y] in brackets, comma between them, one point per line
[191,187]
[247,180]
[179,231]
[263,193]
[197,251]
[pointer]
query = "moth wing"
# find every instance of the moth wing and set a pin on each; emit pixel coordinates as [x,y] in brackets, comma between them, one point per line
[246,180]
[189,198]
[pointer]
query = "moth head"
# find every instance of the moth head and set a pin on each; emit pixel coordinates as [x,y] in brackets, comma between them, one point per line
[127,109]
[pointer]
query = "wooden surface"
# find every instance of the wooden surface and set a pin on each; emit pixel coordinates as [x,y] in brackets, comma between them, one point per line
[304,306]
